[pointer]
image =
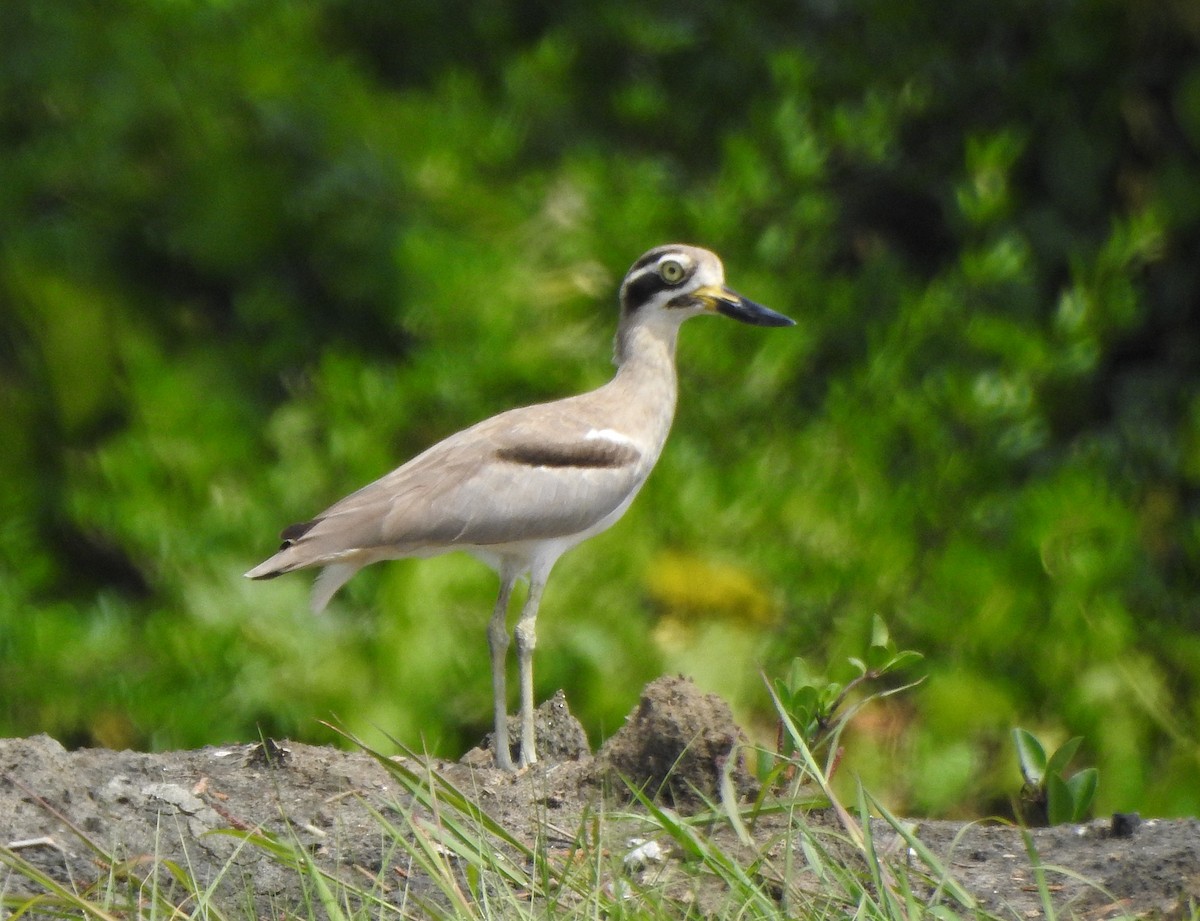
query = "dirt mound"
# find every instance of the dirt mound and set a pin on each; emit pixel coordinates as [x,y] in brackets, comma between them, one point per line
[675,746]
[56,805]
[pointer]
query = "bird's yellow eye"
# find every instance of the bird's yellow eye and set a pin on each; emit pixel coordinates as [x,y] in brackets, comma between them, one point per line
[671,272]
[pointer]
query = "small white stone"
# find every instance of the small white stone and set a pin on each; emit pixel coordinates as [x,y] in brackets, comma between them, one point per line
[643,853]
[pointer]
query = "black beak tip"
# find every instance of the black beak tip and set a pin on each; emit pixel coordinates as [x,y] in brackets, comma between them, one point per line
[780,320]
[747,311]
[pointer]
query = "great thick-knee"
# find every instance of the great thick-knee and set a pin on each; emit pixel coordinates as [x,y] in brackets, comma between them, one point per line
[521,488]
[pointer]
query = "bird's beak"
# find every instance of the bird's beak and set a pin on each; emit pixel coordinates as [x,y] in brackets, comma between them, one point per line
[720,299]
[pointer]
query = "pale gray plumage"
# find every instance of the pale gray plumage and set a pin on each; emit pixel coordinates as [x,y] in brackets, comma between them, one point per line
[521,488]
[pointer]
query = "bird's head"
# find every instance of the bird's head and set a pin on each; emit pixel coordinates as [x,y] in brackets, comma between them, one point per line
[680,281]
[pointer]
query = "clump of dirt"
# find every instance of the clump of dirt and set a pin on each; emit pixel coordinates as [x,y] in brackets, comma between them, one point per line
[558,735]
[675,746]
[58,807]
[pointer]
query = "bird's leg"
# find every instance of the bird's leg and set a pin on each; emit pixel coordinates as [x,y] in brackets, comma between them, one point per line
[497,634]
[526,640]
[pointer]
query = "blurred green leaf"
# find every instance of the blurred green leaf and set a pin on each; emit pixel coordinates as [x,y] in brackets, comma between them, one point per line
[1031,755]
[1081,787]
[1057,763]
[1060,807]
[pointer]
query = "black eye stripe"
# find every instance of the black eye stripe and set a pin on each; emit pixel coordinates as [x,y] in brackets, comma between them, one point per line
[645,279]
[650,258]
[657,257]
[641,289]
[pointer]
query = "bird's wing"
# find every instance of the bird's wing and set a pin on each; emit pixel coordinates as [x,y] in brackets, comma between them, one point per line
[532,473]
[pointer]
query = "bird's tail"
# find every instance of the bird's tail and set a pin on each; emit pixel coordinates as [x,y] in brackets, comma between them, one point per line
[289,556]
[267,569]
[332,577]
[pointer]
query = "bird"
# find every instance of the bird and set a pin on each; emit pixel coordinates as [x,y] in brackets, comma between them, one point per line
[521,488]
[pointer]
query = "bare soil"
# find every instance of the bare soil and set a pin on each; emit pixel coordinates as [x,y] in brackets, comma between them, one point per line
[146,808]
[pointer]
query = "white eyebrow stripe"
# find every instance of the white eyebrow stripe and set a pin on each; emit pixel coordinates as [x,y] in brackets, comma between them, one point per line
[610,435]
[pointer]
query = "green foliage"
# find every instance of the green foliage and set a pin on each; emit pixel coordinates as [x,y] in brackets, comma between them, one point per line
[1049,796]
[252,255]
[821,709]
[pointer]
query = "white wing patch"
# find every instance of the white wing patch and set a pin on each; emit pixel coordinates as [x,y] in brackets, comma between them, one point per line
[610,435]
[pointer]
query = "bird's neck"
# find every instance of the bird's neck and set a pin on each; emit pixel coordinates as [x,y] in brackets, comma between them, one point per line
[645,359]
